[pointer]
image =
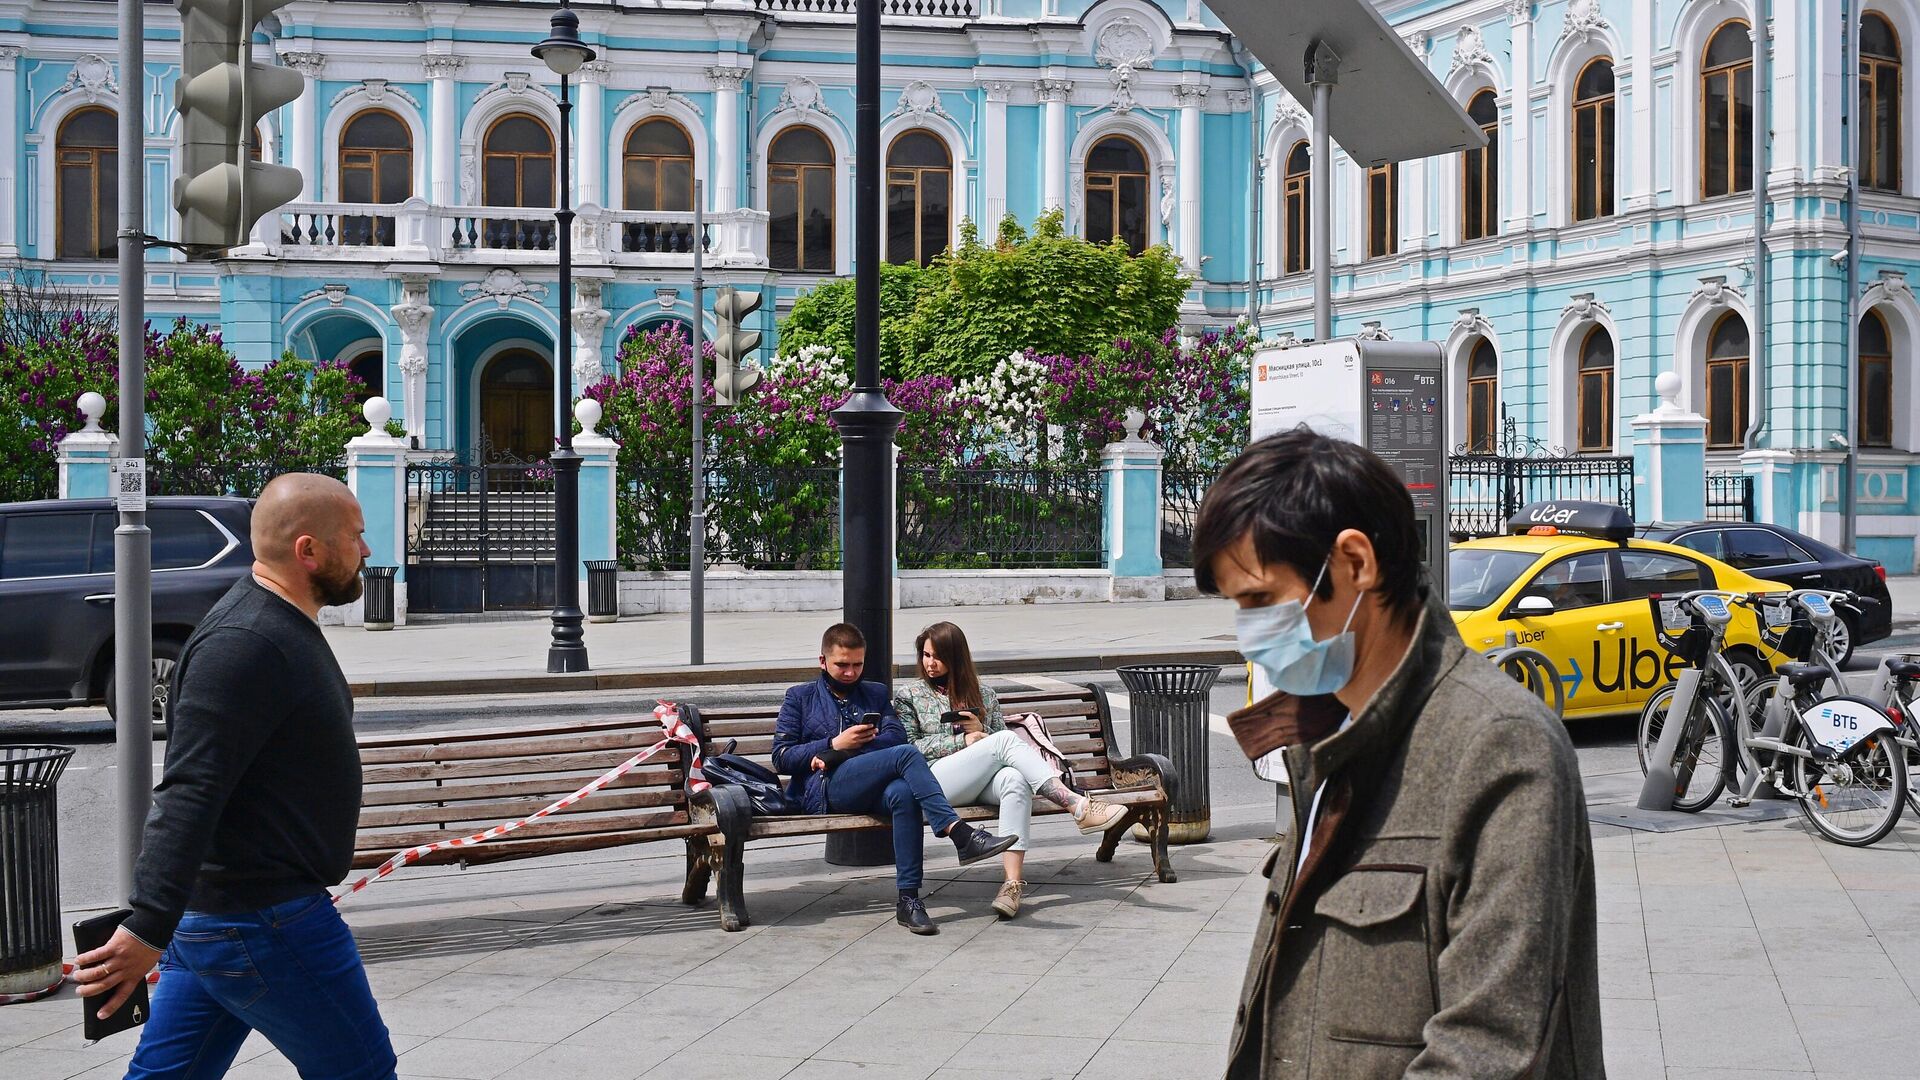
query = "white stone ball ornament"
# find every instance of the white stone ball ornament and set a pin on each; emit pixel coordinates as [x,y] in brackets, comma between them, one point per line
[93,407]
[588,412]
[378,411]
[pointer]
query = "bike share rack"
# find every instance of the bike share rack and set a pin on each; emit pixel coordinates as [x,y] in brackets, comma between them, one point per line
[1532,669]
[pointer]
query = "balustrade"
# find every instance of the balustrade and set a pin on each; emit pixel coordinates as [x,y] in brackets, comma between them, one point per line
[513,235]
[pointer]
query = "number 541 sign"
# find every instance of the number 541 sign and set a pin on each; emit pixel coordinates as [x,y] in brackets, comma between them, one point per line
[130,485]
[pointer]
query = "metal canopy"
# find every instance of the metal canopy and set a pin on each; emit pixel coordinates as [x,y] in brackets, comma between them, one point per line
[1389,106]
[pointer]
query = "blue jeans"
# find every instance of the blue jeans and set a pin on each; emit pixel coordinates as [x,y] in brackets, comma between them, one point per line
[896,783]
[290,972]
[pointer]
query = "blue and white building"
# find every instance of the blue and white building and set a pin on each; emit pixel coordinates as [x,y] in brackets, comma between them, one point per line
[1605,237]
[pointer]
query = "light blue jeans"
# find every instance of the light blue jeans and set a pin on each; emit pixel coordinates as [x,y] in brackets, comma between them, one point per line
[999,770]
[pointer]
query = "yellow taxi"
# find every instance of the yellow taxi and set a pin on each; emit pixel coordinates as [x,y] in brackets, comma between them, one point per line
[1572,581]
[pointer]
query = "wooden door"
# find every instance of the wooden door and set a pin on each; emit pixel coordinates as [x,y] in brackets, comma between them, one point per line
[516,405]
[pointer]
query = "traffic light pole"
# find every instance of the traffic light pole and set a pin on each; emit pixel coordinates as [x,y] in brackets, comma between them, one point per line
[868,420]
[697,517]
[132,544]
[567,651]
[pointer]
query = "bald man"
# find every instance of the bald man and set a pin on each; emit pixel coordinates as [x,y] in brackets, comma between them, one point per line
[253,822]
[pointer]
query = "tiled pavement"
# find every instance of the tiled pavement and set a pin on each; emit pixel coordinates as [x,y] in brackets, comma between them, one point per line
[1737,952]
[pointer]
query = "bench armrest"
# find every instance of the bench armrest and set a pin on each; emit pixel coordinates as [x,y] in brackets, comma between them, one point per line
[1145,770]
[726,809]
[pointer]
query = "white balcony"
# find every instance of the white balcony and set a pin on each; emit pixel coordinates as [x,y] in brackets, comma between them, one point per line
[415,231]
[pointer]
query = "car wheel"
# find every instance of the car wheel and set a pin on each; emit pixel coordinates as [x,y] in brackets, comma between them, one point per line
[166,653]
[1846,631]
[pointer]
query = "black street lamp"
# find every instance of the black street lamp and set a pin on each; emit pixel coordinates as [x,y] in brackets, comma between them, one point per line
[868,420]
[564,53]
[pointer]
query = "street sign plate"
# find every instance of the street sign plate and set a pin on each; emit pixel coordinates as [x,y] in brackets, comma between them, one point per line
[130,485]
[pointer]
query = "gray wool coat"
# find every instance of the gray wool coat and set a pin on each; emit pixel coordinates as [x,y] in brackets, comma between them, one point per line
[1443,924]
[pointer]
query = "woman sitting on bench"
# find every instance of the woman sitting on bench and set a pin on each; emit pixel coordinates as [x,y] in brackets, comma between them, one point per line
[958,725]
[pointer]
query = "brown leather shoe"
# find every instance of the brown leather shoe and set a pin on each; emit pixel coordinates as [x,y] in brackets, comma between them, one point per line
[1007,901]
[1098,816]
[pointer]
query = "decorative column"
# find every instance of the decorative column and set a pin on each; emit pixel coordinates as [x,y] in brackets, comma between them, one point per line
[1130,508]
[303,135]
[1519,201]
[598,490]
[9,151]
[443,134]
[1669,458]
[993,158]
[1187,158]
[1641,137]
[723,176]
[589,320]
[377,475]
[591,180]
[86,456]
[414,315]
[1053,94]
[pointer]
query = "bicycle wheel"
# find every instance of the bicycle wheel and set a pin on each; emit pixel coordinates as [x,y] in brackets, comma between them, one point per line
[1698,770]
[1758,697]
[1855,798]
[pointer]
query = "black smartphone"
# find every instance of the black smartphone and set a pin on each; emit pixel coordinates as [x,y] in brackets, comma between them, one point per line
[956,722]
[871,719]
[88,935]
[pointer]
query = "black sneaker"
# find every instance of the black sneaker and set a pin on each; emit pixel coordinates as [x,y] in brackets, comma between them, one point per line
[912,914]
[976,844]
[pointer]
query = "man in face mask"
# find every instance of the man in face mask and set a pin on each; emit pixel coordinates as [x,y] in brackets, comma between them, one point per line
[1431,913]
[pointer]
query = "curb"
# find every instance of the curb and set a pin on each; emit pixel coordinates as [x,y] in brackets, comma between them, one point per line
[489,682]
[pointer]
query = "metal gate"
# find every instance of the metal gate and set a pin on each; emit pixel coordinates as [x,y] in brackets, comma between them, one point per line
[1485,490]
[480,533]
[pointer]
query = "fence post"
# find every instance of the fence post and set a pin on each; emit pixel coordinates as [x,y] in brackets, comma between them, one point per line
[86,456]
[599,490]
[377,473]
[1669,458]
[1130,508]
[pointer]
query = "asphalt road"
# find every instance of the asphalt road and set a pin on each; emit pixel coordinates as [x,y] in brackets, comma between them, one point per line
[87,818]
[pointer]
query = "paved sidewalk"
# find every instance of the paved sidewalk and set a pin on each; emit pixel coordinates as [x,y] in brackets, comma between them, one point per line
[462,657]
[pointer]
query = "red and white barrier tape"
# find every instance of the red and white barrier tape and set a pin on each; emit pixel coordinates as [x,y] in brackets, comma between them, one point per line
[676,731]
[66,975]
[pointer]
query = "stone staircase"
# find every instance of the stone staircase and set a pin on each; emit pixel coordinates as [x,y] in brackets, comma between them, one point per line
[519,527]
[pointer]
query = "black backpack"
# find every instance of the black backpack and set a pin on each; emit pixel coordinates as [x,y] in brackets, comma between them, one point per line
[762,785]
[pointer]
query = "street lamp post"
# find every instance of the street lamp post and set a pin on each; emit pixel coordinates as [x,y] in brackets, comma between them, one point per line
[564,53]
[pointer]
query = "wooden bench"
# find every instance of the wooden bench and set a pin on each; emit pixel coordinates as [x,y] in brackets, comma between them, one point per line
[423,788]
[1078,719]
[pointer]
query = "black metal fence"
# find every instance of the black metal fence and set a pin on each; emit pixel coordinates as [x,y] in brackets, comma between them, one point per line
[481,533]
[1180,493]
[1486,490]
[1729,496]
[789,518]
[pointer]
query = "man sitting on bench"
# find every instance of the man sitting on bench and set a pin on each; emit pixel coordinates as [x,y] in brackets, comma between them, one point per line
[841,764]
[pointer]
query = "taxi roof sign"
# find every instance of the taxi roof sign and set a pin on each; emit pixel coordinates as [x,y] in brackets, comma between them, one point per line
[1570,516]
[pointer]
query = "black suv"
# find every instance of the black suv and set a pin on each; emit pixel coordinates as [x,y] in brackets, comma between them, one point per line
[56,591]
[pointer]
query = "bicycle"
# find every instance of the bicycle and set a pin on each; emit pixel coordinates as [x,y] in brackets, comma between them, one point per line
[1721,681]
[1834,755]
[1532,669]
[1802,626]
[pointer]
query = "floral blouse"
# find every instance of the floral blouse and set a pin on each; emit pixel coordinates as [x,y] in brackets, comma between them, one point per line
[920,707]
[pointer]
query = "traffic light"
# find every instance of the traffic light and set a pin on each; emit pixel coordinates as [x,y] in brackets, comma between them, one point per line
[221,96]
[732,346]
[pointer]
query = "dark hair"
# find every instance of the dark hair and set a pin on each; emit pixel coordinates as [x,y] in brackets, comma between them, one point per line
[842,636]
[950,645]
[1293,493]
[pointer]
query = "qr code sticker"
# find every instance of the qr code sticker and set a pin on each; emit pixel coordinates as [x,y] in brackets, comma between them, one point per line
[131,483]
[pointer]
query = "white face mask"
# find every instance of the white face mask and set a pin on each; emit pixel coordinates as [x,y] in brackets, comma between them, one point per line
[1280,640]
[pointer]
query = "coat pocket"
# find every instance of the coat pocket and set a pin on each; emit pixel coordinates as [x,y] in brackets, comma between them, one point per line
[1376,971]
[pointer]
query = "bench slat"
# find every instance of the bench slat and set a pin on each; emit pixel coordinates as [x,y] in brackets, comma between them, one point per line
[508,810]
[368,855]
[632,741]
[552,787]
[565,825]
[521,766]
[525,730]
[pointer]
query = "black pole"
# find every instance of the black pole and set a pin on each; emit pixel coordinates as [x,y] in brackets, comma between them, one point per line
[568,649]
[868,420]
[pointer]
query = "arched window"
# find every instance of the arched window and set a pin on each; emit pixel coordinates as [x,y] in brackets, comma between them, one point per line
[1117,193]
[919,197]
[1480,172]
[376,166]
[1383,210]
[800,201]
[1876,382]
[1726,112]
[1879,104]
[1729,353]
[657,168]
[87,206]
[1483,398]
[1299,239]
[1593,105]
[517,170]
[1595,395]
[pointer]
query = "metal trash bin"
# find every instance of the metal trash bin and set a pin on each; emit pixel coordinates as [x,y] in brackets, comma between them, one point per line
[30,943]
[1168,706]
[603,590]
[376,600]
